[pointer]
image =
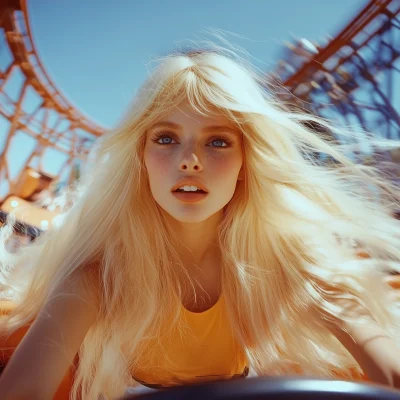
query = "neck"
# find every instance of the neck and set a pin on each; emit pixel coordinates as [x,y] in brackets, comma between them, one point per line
[198,249]
[196,243]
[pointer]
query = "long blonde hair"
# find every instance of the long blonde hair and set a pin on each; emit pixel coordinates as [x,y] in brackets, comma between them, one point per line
[281,256]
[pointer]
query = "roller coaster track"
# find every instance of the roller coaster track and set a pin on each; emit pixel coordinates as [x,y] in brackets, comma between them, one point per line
[54,122]
[351,79]
[356,78]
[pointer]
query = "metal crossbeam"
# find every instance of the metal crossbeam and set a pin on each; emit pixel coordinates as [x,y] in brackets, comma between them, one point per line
[354,79]
[34,107]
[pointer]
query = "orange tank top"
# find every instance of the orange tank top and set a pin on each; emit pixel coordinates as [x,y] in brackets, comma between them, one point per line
[206,351]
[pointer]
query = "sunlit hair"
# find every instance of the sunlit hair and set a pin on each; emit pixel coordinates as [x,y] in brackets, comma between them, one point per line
[285,236]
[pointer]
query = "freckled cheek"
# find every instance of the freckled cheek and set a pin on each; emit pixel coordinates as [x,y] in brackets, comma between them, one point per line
[224,167]
[157,163]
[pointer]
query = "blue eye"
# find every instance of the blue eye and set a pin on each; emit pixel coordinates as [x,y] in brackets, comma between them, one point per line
[219,143]
[164,140]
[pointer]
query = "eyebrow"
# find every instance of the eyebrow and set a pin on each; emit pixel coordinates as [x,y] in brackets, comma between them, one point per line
[207,129]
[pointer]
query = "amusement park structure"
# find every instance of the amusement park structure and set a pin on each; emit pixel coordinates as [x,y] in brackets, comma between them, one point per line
[351,80]
[354,78]
[33,109]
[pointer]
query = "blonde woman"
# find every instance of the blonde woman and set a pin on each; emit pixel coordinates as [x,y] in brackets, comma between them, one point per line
[203,243]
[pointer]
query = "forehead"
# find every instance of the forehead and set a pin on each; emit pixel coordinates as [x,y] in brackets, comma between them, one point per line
[185,117]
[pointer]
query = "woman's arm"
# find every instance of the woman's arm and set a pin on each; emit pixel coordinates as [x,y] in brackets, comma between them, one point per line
[42,358]
[375,352]
[373,349]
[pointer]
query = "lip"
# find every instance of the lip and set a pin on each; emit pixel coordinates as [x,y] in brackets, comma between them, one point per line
[189,181]
[189,197]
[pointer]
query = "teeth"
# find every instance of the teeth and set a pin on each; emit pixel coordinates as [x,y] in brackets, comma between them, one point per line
[188,188]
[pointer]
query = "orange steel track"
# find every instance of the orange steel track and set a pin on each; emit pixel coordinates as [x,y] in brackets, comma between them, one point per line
[353,79]
[370,12]
[54,122]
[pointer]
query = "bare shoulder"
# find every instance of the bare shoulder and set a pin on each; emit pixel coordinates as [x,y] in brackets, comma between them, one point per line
[51,343]
[82,285]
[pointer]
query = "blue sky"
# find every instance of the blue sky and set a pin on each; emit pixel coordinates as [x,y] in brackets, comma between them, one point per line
[98,52]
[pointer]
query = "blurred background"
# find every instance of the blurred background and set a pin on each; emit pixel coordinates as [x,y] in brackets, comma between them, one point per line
[69,69]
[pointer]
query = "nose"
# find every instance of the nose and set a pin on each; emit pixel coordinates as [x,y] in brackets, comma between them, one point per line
[190,163]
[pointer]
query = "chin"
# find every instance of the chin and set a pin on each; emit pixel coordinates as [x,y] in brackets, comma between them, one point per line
[190,217]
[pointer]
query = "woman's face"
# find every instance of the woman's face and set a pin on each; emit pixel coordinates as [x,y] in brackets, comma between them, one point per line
[186,150]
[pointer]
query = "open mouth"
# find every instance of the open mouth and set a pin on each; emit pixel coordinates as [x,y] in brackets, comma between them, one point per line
[189,191]
[189,196]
